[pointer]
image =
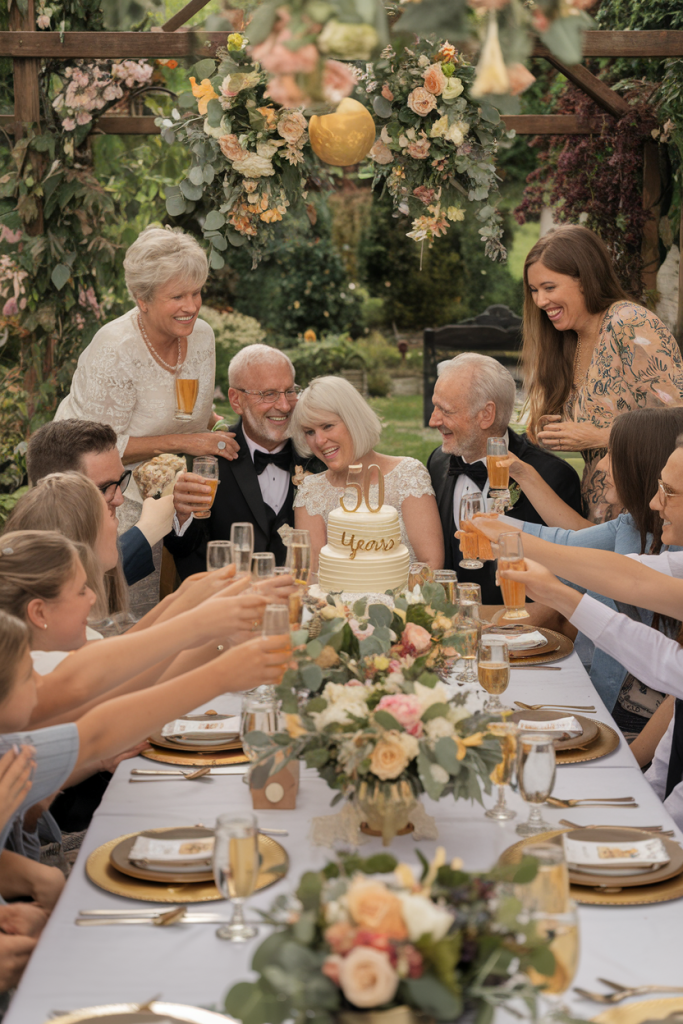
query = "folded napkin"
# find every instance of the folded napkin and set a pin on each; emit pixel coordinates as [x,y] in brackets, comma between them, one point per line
[521,640]
[605,856]
[179,852]
[568,724]
[211,728]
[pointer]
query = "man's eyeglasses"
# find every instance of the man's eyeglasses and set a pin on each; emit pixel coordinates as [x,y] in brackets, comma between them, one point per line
[268,397]
[109,490]
[665,491]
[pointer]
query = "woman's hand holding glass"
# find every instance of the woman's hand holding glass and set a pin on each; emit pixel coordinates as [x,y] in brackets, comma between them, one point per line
[263,658]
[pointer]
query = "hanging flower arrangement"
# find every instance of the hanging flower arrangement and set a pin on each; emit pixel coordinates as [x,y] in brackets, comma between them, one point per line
[437,145]
[89,88]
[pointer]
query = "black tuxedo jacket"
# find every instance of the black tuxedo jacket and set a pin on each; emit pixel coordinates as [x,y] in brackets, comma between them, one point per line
[562,477]
[238,500]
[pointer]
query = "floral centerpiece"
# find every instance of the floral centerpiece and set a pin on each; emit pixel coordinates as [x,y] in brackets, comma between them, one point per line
[352,943]
[437,146]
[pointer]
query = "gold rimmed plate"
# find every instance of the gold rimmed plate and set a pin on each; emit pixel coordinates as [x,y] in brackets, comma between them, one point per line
[150,1013]
[101,871]
[647,890]
[197,758]
[120,857]
[636,1013]
[589,727]
[229,743]
[559,646]
[604,743]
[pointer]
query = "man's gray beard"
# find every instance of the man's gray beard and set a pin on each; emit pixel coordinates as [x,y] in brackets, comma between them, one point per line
[467,448]
[260,428]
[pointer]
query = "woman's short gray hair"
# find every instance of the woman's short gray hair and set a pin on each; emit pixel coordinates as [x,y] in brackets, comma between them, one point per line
[255,355]
[161,255]
[490,382]
[335,395]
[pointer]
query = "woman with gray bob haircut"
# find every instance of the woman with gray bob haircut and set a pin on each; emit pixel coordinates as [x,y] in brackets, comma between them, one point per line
[127,374]
[335,424]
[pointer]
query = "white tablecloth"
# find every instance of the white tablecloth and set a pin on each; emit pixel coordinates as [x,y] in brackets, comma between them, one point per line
[74,967]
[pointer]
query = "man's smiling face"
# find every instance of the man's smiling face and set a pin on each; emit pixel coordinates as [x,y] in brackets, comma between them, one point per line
[265,423]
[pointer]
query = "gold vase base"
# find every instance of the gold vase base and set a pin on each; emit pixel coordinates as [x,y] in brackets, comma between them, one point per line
[365,828]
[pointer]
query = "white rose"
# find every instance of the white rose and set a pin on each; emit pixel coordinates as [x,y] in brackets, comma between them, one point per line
[439,774]
[218,132]
[422,917]
[428,695]
[463,126]
[439,127]
[254,166]
[268,149]
[455,136]
[452,89]
[423,61]
[385,136]
[409,744]
[438,727]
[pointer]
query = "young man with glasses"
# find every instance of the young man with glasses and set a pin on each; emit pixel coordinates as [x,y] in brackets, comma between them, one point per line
[257,486]
[90,448]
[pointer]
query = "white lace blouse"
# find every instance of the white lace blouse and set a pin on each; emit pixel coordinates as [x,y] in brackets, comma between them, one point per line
[117,381]
[410,479]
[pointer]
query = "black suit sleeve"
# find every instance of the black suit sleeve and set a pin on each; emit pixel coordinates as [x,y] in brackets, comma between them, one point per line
[136,556]
[194,537]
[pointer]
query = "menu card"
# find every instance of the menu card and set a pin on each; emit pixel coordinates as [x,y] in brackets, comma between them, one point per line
[607,855]
[212,727]
[569,725]
[180,852]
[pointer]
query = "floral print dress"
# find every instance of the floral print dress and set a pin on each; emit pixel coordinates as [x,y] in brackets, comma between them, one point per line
[636,364]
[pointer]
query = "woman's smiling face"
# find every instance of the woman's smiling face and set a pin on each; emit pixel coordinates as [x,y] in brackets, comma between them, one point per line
[330,441]
[174,308]
[559,296]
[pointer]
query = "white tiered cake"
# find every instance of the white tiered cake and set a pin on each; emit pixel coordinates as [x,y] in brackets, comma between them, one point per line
[364,553]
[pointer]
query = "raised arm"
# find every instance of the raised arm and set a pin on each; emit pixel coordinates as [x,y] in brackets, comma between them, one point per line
[549,505]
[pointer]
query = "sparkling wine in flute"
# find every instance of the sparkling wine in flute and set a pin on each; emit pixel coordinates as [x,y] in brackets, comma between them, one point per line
[493,677]
[243,866]
[506,733]
[564,945]
[299,562]
[186,391]
[499,476]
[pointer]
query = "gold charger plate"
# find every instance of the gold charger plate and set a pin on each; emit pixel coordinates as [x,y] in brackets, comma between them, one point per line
[100,870]
[562,647]
[130,1013]
[636,1013]
[120,857]
[622,834]
[656,892]
[588,725]
[196,757]
[605,742]
[161,741]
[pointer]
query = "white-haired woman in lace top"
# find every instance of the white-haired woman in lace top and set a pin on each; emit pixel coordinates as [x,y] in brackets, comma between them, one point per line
[335,424]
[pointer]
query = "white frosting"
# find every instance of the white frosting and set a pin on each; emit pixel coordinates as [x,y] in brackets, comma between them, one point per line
[364,552]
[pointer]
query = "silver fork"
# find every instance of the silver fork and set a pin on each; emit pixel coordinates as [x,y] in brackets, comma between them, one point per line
[623,993]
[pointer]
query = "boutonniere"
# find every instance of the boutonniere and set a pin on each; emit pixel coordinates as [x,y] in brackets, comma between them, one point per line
[299,475]
[515,494]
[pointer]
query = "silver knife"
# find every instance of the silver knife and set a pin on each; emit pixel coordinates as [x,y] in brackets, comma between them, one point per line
[187,919]
[233,769]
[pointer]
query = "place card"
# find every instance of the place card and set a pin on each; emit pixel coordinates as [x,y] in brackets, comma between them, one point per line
[179,852]
[214,727]
[605,856]
[569,725]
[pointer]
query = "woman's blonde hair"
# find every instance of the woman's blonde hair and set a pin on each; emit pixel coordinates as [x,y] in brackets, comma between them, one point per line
[335,395]
[34,564]
[548,354]
[14,641]
[72,504]
[161,255]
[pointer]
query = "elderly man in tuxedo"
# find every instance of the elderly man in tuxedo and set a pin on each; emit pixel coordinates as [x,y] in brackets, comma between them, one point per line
[256,485]
[473,400]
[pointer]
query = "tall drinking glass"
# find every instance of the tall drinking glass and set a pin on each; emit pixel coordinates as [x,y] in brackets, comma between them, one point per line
[499,476]
[298,559]
[242,539]
[260,713]
[218,555]
[419,573]
[186,391]
[501,776]
[448,580]
[470,505]
[206,466]
[548,892]
[465,638]
[493,670]
[511,556]
[562,931]
[235,870]
[468,593]
[276,623]
[535,778]
[262,565]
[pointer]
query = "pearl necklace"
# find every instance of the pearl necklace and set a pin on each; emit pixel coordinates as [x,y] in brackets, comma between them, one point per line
[155,354]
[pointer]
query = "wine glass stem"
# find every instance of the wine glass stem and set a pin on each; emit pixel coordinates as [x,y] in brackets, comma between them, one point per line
[237,919]
[535,816]
[500,802]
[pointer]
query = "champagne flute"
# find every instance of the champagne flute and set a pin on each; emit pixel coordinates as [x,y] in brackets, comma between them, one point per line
[235,870]
[562,932]
[276,623]
[465,637]
[298,559]
[218,555]
[548,892]
[242,539]
[535,778]
[448,580]
[262,565]
[206,466]
[419,573]
[499,476]
[260,713]
[470,505]
[511,556]
[501,776]
[493,670]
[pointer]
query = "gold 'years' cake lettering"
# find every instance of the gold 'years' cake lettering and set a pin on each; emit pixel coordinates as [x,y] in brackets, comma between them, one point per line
[371,545]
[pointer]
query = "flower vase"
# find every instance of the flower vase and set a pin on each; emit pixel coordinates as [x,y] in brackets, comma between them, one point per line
[385,809]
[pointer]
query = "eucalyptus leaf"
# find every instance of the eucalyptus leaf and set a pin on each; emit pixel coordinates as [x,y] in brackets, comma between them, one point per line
[254,1004]
[214,113]
[186,100]
[433,998]
[60,275]
[196,175]
[235,238]
[446,753]
[175,206]
[216,261]
[563,39]
[387,721]
[381,106]
[489,113]
[380,615]
[203,69]
[261,22]
[191,191]
[209,173]
[312,677]
[218,242]
[434,711]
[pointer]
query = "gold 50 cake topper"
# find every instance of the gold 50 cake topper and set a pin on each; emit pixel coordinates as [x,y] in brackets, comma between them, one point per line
[360,482]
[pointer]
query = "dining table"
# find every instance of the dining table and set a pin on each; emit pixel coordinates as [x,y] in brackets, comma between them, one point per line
[74,967]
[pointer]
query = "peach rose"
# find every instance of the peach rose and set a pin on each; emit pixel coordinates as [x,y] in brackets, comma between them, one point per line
[520,78]
[381,153]
[367,978]
[340,937]
[420,150]
[389,757]
[230,147]
[330,968]
[434,79]
[292,125]
[338,81]
[376,908]
[417,637]
[421,101]
[387,93]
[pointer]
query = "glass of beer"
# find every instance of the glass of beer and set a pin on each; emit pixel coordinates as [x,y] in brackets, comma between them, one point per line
[493,670]
[499,476]
[501,776]
[448,580]
[186,391]
[218,555]
[535,778]
[235,870]
[298,560]
[511,556]
[206,466]
[470,505]
[242,540]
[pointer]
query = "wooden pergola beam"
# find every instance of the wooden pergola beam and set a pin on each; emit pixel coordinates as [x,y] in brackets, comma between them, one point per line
[598,91]
[89,45]
[184,15]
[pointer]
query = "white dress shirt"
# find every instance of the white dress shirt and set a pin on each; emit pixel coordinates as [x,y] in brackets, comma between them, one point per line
[650,656]
[463,486]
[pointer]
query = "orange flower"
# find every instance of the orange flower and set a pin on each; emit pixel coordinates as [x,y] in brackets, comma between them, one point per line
[310,335]
[376,908]
[270,115]
[171,64]
[270,216]
[203,92]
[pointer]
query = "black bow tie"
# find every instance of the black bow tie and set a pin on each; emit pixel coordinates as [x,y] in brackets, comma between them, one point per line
[283,459]
[476,471]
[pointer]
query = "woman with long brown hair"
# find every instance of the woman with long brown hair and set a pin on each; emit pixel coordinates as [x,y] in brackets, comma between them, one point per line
[589,354]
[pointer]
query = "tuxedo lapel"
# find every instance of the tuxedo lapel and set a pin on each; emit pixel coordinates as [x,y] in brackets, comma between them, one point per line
[247,481]
[444,488]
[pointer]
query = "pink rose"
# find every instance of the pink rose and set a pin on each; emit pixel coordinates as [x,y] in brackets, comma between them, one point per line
[421,101]
[424,194]
[361,633]
[417,637]
[230,147]
[68,124]
[405,707]
[420,150]
[387,93]
[434,79]
[367,978]
[520,78]
[284,91]
[11,308]
[338,81]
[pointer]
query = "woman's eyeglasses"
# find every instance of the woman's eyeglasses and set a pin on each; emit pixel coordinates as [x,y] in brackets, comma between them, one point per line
[109,490]
[268,397]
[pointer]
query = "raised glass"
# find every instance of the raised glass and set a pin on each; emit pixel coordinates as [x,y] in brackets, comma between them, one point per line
[235,870]
[511,556]
[218,555]
[186,391]
[262,565]
[206,466]
[499,476]
[470,505]
[242,539]
[298,559]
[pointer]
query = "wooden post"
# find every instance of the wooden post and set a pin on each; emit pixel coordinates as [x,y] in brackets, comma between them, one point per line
[27,96]
[652,196]
[679,318]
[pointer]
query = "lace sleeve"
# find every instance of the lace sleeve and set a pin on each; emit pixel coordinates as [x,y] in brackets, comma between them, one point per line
[412,480]
[317,496]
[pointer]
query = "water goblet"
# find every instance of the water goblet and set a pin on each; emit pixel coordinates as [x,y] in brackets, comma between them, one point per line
[535,779]
[499,476]
[493,670]
[242,539]
[235,870]
[218,555]
[501,776]
[470,505]
[511,556]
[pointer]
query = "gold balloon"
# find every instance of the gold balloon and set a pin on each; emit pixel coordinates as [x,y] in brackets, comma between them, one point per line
[345,137]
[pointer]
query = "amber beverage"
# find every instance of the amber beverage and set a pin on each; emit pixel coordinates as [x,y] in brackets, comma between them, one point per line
[484,546]
[499,476]
[514,593]
[205,510]
[493,677]
[186,390]
[469,540]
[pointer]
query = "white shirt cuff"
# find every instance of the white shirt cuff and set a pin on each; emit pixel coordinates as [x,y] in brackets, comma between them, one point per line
[177,528]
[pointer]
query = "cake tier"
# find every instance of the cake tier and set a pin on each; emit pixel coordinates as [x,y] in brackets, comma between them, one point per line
[364,551]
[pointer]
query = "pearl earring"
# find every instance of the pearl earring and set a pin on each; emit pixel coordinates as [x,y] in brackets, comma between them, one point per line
[45,625]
